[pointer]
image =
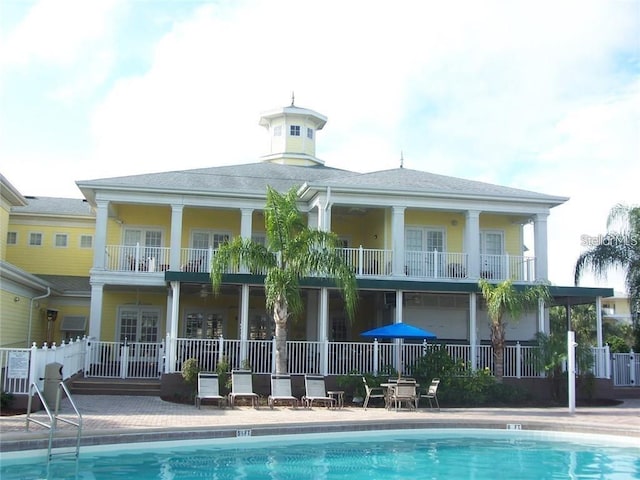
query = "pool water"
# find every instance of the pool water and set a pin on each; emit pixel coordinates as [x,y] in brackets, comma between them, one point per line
[397,454]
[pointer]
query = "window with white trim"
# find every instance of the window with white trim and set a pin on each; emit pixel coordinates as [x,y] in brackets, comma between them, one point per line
[294,130]
[86,241]
[12,238]
[138,324]
[61,240]
[277,130]
[310,133]
[35,239]
[260,326]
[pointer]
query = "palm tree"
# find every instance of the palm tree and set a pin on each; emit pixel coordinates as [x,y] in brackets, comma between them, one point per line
[291,252]
[504,298]
[619,247]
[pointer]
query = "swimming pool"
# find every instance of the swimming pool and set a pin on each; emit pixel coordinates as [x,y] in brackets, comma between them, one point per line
[394,454]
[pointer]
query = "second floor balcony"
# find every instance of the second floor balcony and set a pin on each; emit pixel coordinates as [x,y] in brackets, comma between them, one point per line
[365,262]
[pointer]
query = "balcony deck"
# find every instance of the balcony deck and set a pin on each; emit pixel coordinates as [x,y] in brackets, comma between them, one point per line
[365,262]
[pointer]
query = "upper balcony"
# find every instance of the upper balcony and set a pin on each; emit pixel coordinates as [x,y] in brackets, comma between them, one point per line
[365,262]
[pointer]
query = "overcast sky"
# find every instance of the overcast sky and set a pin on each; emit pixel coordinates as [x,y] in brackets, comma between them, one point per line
[539,95]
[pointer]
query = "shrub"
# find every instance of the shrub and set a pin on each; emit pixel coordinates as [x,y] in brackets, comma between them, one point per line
[190,370]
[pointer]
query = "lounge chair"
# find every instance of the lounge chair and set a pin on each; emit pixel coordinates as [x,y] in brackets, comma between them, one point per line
[432,393]
[373,392]
[404,392]
[242,387]
[316,391]
[208,388]
[281,391]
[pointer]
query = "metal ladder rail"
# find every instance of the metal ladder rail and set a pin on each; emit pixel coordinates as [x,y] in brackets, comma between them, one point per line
[54,418]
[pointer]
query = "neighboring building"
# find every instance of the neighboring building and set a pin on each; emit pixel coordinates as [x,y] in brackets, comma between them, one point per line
[617,309]
[417,241]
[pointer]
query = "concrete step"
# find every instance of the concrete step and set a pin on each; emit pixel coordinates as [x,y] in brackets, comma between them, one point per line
[115,386]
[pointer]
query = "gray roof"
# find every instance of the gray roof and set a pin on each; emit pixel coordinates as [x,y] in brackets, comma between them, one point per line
[243,178]
[68,284]
[253,178]
[430,183]
[55,206]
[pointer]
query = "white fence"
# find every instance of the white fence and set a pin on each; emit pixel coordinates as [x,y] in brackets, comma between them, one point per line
[149,360]
[22,366]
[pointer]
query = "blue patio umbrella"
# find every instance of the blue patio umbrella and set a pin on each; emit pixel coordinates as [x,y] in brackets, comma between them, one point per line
[399,331]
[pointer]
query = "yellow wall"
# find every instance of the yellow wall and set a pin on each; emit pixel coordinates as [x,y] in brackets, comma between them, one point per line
[15,332]
[4,223]
[513,241]
[47,259]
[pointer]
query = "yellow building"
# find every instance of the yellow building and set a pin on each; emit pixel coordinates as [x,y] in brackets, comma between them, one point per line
[130,262]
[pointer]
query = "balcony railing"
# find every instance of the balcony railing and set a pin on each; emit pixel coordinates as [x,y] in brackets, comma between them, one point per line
[502,267]
[365,262]
[136,258]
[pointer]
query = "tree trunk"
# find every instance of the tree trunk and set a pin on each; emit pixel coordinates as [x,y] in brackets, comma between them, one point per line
[280,318]
[497,342]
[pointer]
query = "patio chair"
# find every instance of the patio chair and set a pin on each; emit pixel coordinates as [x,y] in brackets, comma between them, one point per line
[208,388]
[316,391]
[404,392]
[242,387]
[373,392]
[281,391]
[432,393]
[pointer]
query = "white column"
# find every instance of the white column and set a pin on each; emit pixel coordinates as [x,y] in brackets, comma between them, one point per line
[172,326]
[473,329]
[599,321]
[472,243]
[323,315]
[397,239]
[541,317]
[102,215]
[95,310]
[176,237]
[244,321]
[540,246]
[245,230]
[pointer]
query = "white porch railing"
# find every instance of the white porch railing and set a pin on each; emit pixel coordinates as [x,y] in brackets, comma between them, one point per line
[503,267]
[20,366]
[136,258]
[434,264]
[365,262]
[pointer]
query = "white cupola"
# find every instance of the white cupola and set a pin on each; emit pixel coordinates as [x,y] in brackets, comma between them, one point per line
[292,135]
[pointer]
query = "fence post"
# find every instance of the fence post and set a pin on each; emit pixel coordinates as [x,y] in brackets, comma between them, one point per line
[632,368]
[325,357]
[220,348]
[34,370]
[435,263]
[607,361]
[162,357]
[88,348]
[518,360]
[360,259]
[375,356]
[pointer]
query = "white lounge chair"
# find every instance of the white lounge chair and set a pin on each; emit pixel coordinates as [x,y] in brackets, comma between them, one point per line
[372,392]
[281,391]
[242,387]
[316,391]
[432,393]
[208,388]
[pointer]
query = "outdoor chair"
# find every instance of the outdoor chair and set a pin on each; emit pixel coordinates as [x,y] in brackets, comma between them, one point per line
[316,391]
[432,393]
[281,391]
[404,392]
[208,388]
[372,392]
[242,387]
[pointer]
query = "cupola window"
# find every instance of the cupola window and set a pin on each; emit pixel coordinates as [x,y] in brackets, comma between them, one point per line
[310,133]
[295,130]
[277,131]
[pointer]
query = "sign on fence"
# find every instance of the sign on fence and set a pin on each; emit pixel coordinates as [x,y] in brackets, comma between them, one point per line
[18,366]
